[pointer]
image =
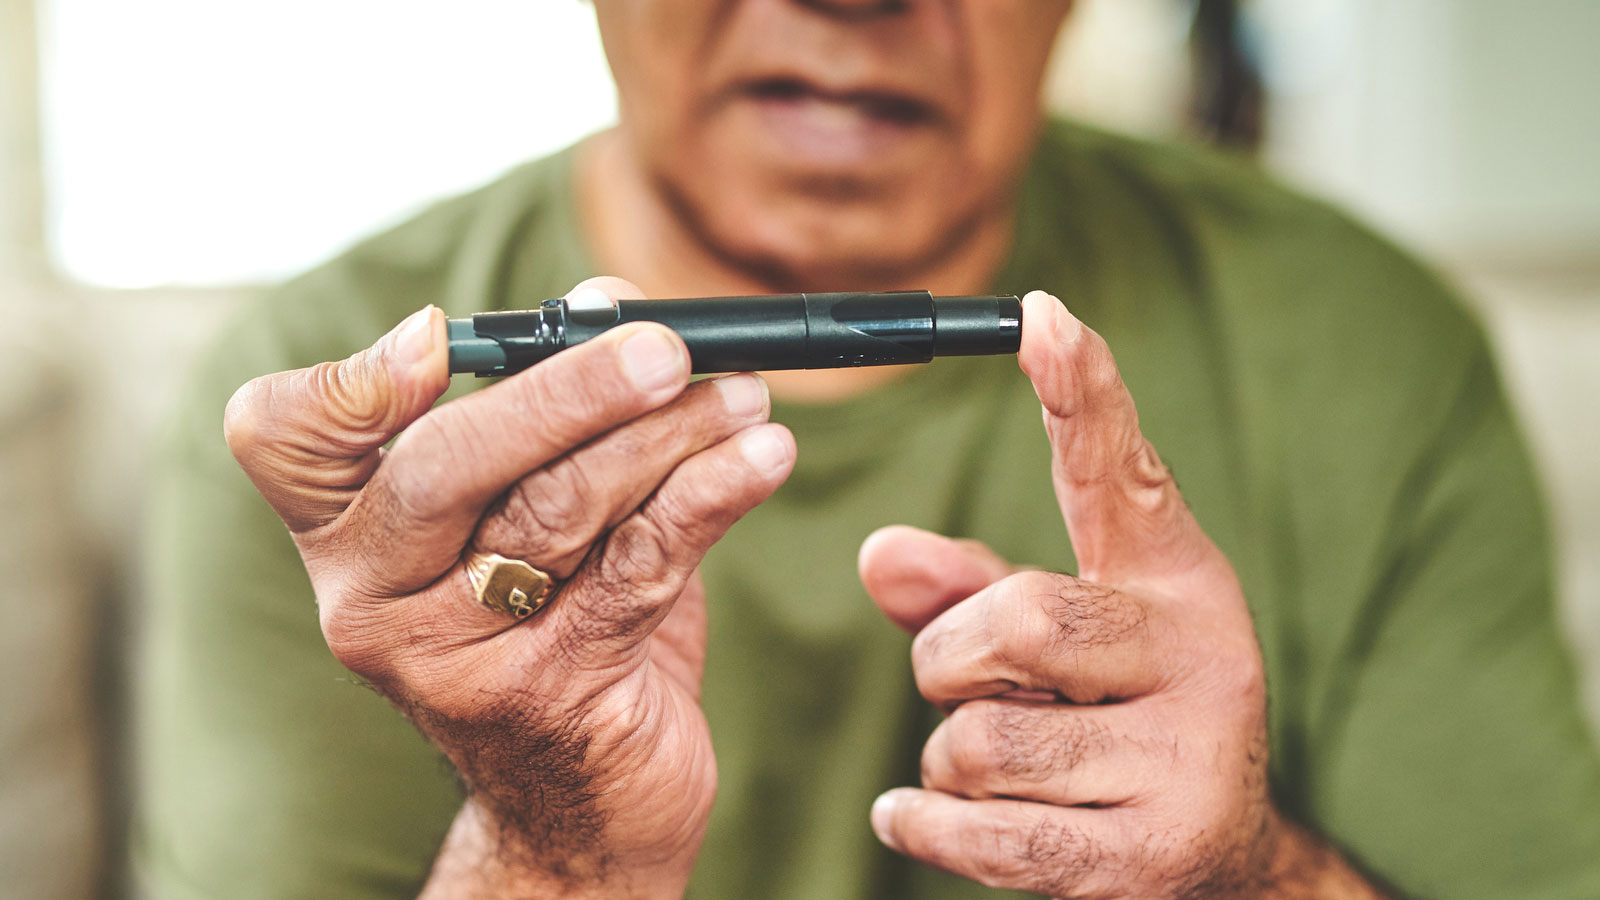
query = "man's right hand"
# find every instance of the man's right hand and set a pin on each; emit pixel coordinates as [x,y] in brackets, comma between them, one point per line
[578,732]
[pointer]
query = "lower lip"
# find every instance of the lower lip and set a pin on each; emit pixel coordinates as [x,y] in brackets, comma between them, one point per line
[828,134]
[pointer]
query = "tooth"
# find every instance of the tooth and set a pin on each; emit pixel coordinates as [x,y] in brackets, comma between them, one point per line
[834,116]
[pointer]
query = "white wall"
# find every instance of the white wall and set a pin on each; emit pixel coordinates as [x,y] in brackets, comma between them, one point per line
[204,142]
[1464,126]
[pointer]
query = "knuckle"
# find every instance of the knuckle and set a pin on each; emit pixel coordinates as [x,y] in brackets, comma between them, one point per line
[1101,375]
[1018,744]
[683,512]
[354,638]
[547,515]
[933,766]
[631,577]
[1023,743]
[968,750]
[1105,383]
[1058,858]
[1083,615]
[1146,468]
[940,658]
[1240,678]
[636,553]
[926,646]
[689,513]
[1047,745]
[1011,636]
[1000,857]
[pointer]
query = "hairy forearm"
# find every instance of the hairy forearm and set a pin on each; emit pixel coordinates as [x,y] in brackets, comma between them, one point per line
[480,860]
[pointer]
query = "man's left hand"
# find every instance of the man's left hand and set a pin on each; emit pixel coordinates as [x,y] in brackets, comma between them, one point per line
[1106,733]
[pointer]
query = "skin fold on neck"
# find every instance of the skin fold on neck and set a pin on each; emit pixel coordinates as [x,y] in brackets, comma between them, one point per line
[634,231]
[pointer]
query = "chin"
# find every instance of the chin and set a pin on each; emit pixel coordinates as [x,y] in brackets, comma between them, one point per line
[827,234]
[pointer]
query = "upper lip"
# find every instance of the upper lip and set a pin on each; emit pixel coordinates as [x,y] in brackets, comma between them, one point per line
[890,101]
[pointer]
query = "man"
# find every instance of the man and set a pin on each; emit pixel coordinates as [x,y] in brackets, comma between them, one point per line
[1358,534]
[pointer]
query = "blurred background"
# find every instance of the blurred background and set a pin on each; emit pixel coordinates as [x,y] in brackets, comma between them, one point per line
[159,159]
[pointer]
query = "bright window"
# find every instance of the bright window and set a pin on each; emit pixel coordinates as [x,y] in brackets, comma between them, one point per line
[196,141]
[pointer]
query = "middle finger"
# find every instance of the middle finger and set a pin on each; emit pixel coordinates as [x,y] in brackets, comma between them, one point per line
[1038,631]
[1047,752]
[553,516]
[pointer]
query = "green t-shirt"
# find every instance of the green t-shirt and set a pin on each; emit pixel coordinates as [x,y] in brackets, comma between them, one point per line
[1332,415]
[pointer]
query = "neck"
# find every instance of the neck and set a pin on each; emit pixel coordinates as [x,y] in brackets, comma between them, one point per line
[633,232]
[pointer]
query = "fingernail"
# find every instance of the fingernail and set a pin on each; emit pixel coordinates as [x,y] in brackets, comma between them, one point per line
[764,448]
[882,814]
[589,298]
[743,395]
[652,360]
[413,339]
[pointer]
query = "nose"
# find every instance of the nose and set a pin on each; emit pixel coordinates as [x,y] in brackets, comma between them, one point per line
[857,9]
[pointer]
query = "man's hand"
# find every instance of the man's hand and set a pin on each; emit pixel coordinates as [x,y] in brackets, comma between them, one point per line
[578,731]
[1107,732]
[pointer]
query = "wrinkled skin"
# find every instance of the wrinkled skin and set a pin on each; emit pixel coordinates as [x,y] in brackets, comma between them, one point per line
[1106,735]
[1106,732]
[578,732]
[826,145]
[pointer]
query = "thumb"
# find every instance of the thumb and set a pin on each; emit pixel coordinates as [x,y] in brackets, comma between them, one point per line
[914,575]
[311,438]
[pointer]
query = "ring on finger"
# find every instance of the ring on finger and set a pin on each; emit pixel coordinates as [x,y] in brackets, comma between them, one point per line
[508,585]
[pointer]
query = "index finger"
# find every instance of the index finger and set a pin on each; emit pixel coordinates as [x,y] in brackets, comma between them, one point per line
[446,469]
[1122,508]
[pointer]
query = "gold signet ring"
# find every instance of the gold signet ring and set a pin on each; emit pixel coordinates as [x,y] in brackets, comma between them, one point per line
[508,585]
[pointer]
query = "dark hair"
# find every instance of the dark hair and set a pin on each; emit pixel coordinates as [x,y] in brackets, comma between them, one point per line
[1226,103]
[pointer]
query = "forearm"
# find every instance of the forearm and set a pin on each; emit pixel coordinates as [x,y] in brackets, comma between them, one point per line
[480,859]
[1305,867]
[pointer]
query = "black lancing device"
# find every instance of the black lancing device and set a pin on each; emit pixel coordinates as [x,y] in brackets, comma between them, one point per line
[741,334]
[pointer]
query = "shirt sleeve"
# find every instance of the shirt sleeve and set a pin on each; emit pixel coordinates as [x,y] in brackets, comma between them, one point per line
[1448,746]
[265,770]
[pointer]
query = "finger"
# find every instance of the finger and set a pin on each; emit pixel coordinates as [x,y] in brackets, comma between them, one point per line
[678,646]
[629,584]
[1009,844]
[1039,631]
[446,469]
[602,290]
[311,438]
[604,612]
[1122,508]
[914,575]
[553,516]
[1048,752]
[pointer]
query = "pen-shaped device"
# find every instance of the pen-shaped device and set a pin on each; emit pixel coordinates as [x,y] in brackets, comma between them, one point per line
[739,334]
